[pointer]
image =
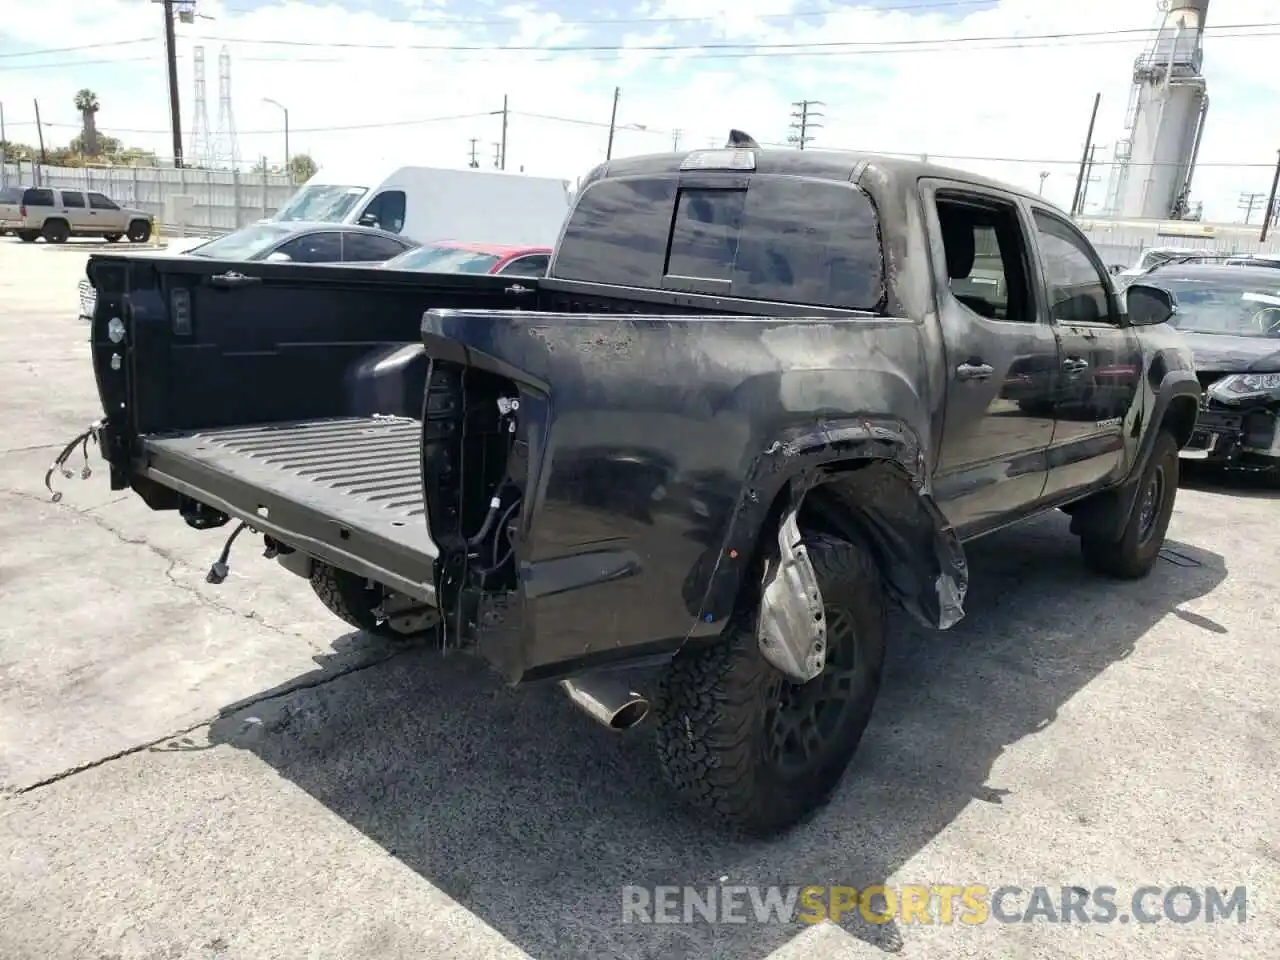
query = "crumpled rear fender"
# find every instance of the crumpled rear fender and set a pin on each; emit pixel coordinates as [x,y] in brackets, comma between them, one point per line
[863,481]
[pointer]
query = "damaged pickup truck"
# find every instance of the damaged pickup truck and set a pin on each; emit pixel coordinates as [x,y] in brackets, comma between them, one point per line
[746,411]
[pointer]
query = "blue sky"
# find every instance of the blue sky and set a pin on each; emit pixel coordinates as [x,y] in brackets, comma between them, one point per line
[360,86]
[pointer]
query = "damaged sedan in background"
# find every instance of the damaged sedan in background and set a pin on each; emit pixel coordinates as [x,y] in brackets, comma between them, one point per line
[1230,316]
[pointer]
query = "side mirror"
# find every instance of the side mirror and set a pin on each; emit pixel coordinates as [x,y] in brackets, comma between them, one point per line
[278,257]
[1148,305]
[367,220]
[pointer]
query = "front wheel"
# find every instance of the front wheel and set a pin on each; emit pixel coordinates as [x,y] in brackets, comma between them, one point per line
[1131,552]
[745,744]
[139,231]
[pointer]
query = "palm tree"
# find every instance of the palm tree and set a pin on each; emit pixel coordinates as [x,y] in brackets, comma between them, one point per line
[87,104]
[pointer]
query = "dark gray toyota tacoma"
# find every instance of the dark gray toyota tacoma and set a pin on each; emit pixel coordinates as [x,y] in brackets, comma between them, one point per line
[760,397]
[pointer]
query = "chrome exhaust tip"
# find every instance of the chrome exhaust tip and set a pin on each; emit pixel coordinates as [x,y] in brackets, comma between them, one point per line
[607,701]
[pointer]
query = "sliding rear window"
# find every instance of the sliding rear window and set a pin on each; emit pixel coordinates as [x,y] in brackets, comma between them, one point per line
[770,238]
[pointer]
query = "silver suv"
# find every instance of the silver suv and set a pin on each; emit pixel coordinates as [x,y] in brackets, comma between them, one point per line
[56,215]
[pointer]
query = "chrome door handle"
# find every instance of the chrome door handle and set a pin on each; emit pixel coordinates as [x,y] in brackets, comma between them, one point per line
[974,371]
[1075,365]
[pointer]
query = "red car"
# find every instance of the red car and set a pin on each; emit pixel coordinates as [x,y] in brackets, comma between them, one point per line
[450,256]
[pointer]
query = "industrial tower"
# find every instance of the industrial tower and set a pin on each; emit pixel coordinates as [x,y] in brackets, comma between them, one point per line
[200,150]
[226,148]
[1156,160]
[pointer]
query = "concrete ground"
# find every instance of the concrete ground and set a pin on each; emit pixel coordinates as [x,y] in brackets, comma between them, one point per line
[224,773]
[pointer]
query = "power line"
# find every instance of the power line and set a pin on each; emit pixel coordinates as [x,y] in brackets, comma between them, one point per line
[276,131]
[83,46]
[815,49]
[820,44]
[655,131]
[922,7]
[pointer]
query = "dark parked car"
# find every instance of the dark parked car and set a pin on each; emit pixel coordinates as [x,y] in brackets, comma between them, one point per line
[753,405]
[301,242]
[1230,316]
[455,257]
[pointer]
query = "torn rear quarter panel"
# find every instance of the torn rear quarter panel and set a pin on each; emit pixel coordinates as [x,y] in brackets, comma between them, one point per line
[661,445]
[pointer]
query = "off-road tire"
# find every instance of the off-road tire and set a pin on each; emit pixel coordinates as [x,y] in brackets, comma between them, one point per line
[112,237]
[347,597]
[56,231]
[28,236]
[139,231]
[713,707]
[1130,553]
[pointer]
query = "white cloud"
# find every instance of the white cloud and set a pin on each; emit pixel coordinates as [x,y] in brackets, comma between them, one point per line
[969,100]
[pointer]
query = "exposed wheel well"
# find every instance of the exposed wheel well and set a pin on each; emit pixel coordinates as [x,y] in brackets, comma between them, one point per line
[874,503]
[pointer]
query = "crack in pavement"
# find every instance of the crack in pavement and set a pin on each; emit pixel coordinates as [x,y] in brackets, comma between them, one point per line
[173,562]
[285,690]
[32,448]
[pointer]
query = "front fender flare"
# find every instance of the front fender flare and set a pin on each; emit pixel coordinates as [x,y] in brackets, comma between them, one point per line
[865,481]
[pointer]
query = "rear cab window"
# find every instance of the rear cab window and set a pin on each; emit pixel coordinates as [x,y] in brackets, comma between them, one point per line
[758,237]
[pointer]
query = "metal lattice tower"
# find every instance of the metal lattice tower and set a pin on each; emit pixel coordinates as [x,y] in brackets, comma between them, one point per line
[226,148]
[200,149]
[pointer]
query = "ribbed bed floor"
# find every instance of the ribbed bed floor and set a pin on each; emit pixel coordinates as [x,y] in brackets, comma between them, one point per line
[362,472]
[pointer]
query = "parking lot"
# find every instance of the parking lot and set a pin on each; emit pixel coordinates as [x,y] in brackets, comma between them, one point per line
[225,772]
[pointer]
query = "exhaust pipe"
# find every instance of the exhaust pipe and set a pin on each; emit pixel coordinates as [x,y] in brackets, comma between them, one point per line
[607,701]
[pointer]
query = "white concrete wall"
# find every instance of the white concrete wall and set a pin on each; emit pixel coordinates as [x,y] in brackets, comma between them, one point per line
[224,199]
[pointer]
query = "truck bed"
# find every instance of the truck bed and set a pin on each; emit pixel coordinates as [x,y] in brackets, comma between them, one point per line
[348,490]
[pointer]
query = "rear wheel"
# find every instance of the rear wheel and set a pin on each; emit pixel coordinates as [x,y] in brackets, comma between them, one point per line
[56,231]
[112,237]
[139,231]
[758,752]
[1131,552]
[360,604]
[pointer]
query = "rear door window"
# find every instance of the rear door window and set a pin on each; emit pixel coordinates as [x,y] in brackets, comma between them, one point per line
[365,248]
[534,265]
[71,198]
[38,197]
[785,239]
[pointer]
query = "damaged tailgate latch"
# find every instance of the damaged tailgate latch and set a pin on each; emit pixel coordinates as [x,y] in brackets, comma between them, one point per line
[792,630]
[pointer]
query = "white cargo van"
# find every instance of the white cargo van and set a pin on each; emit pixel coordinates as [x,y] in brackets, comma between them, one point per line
[430,203]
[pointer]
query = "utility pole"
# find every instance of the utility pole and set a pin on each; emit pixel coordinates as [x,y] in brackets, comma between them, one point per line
[1272,211]
[1088,176]
[1084,157]
[40,132]
[613,123]
[675,137]
[171,54]
[803,121]
[473,163]
[1044,175]
[1247,202]
[502,156]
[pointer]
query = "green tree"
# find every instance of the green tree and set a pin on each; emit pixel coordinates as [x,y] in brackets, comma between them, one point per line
[302,167]
[87,104]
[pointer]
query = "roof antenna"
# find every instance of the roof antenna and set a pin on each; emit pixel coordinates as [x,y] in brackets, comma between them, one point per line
[739,139]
